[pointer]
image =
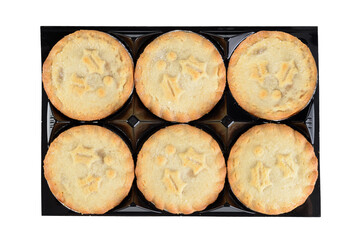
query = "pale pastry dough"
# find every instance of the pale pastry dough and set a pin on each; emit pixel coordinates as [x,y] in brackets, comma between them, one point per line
[180,169]
[180,76]
[88,75]
[89,169]
[272,75]
[272,169]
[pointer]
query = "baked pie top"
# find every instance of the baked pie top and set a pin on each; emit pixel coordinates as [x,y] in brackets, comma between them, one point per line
[180,76]
[88,75]
[272,168]
[180,169]
[272,75]
[89,169]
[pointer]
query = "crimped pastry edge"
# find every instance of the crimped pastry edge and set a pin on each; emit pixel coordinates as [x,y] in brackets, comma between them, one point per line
[172,208]
[241,100]
[257,206]
[147,100]
[58,194]
[47,80]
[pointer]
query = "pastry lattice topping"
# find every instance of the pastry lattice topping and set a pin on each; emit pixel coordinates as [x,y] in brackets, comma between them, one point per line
[194,160]
[284,77]
[193,67]
[90,183]
[93,61]
[171,88]
[260,176]
[286,73]
[286,164]
[173,181]
[79,84]
[83,155]
[259,71]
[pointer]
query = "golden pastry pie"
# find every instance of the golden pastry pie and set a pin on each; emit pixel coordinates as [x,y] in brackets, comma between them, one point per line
[272,169]
[89,169]
[272,75]
[180,76]
[180,169]
[88,75]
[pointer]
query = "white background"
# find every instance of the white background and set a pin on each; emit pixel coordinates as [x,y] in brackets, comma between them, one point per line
[20,94]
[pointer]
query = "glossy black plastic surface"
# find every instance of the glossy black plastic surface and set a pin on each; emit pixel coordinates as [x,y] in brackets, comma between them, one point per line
[135,123]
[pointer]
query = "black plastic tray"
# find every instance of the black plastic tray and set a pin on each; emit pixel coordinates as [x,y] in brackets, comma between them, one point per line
[135,123]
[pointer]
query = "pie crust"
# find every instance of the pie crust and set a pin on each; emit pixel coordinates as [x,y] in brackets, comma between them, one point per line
[180,76]
[272,75]
[88,75]
[181,169]
[89,169]
[272,169]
